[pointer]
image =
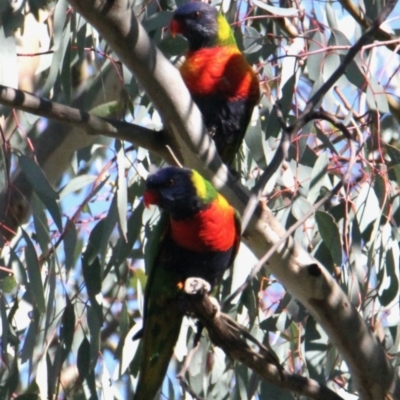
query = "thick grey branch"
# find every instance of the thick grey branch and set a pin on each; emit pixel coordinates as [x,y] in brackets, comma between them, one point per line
[301,274]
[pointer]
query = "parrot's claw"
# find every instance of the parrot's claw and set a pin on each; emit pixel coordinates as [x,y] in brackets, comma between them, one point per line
[196,285]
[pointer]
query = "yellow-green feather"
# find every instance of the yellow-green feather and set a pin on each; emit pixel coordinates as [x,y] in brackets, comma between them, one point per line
[204,189]
[225,33]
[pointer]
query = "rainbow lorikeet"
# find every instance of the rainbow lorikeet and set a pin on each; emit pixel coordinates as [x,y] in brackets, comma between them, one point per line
[199,237]
[220,80]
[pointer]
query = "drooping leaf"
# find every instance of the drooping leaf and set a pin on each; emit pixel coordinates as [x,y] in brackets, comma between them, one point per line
[18,268]
[376,96]
[390,286]
[42,187]
[35,278]
[252,40]
[70,239]
[122,199]
[67,328]
[316,347]
[30,337]
[60,46]
[42,234]
[100,235]
[278,11]
[94,323]
[330,234]
[76,184]
[254,141]
[315,61]
[83,361]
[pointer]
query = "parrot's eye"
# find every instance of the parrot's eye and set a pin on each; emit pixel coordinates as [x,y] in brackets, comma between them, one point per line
[196,15]
[170,183]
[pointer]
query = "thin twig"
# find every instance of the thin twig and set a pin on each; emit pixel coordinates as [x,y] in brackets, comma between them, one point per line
[304,117]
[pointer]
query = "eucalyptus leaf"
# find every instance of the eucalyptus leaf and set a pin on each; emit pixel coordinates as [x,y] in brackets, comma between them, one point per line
[35,278]
[330,234]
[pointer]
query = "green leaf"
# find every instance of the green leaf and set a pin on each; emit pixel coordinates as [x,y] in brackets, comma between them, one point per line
[315,62]
[287,95]
[300,206]
[94,324]
[100,235]
[331,64]
[5,331]
[123,248]
[124,325]
[389,290]
[278,11]
[70,238]
[315,349]
[323,255]
[76,184]
[319,177]
[254,142]
[65,75]
[381,192]
[67,328]
[122,193]
[83,361]
[158,20]
[376,96]
[331,16]
[35,279]
[18,268]
[42,187]
[61,42]
[37,178]
[329,232]
[252,40]
[92,275]
[40,221]
[30,337]
[8,284]
[367,207]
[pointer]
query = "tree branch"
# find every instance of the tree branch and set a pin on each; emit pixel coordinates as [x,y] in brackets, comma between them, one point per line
[154,141]
[226,333]
[359,15]
[300,273]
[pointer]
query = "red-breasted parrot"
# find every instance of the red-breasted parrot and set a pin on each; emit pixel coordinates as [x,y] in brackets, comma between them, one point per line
[199,237]
[220,80]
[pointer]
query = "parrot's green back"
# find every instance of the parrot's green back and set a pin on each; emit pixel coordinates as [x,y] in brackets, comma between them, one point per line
[162,318]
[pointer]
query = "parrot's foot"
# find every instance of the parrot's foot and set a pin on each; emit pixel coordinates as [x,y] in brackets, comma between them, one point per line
[196,285]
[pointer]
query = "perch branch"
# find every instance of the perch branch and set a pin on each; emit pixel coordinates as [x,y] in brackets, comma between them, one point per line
[231,337]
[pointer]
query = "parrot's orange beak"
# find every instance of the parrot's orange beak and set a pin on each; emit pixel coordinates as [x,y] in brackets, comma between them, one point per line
[150,197]
[174,28]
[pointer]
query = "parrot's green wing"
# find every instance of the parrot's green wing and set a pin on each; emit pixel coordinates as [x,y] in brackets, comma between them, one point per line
[162,318]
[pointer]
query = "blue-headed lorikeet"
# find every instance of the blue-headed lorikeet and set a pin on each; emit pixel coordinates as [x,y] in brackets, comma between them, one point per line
[199,237]
[220,80]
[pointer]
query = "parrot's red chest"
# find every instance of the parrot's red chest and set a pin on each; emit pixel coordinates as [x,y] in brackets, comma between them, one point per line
[220,70]
[212,229]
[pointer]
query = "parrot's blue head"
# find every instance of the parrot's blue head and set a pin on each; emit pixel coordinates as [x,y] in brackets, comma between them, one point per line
[181,192]
[202,25]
